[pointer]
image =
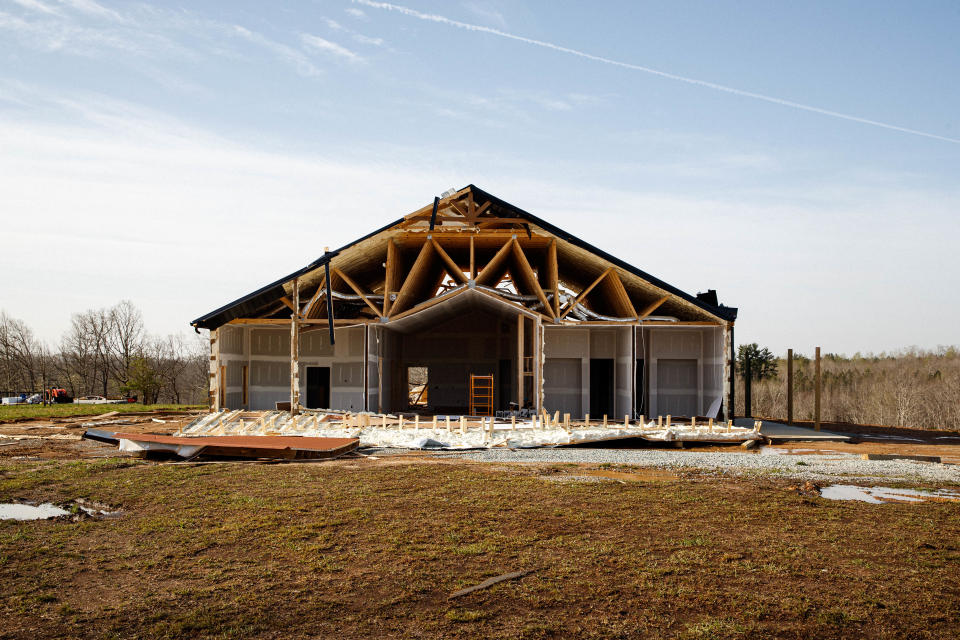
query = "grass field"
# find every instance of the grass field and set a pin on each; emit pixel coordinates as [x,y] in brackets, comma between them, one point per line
[361,549]
[11,413]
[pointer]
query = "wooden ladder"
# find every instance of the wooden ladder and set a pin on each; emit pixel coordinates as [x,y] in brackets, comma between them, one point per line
[481,395]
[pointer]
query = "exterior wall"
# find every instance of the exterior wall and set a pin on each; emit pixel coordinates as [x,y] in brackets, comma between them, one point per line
[566,373]
[684,369]
[265,351]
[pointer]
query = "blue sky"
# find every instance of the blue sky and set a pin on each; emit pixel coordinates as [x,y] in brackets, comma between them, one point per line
[181,155]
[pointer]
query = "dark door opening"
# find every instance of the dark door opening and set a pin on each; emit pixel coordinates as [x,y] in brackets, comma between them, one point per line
[601,387]
[318,387]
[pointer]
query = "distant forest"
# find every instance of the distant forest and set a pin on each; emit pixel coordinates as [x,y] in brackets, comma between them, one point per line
[908,388]
[105,352]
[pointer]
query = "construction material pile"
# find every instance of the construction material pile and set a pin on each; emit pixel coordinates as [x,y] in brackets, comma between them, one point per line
[460,432]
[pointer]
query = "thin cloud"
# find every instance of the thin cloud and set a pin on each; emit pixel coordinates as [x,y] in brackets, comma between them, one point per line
[93,8]
[356,13]
[362,39]
[635,67]
[319,44]
[284,52]
[36,5]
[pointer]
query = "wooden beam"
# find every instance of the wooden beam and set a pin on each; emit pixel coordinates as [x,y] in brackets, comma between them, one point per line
[619,296]
[531,278]
[313,299]
[391,280]
[652,307]
[288,302]
[295,351]
[282,322]
[486,274]
[583,294]
[473,259]
[455,272]
[520,353]
[417,272]
[553,276]
[353,285]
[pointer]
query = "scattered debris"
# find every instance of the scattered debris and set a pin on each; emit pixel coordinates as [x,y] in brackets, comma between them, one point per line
[461,432]
[490,582]
[808,489]
[899,456]
[276,447]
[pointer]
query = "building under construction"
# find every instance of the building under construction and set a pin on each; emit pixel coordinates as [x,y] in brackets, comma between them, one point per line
[471,305]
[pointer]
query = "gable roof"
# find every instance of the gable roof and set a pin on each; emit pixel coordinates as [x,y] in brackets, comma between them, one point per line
[254,302]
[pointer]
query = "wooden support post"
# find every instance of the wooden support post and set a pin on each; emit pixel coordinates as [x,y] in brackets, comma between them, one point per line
[463,425]
[659,422]
[668,421]
[816,405]
[566,421]
[693,423]
[626,421]
[416,422]
[513,423]
[556,417]
[710,425]
[448,425]
[729,425]
[401,423]
[789,386]
[435,423]
[520,361]
[643,423]
[384,421]
[586,420]
[604,421]
[295,350]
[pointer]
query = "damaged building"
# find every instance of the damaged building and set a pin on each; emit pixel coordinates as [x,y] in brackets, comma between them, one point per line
[470,306]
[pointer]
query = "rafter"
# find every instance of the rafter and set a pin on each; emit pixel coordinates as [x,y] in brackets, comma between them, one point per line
[451,266]
[356,289]
[653,307]
[487,275]
[583,294]
[530,278]
[414,279]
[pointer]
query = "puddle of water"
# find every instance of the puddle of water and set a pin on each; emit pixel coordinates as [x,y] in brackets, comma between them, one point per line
[31,512]
[879,495]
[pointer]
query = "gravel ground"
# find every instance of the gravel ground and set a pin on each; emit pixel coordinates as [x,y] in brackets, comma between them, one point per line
[818,468]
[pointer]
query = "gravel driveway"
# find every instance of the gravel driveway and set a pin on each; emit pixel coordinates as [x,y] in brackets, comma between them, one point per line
[818,468]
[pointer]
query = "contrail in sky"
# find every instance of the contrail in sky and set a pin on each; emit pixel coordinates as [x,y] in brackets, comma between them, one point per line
[636,67]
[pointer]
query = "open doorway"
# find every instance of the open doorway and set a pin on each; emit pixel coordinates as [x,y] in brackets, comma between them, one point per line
[318,387]
[601,386]
[417,378]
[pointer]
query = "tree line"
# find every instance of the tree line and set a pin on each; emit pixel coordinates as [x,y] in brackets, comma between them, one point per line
[106,352]
[907,388]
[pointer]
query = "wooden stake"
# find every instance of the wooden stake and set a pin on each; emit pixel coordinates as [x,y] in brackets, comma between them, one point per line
[448,424]
[586,419]
[463,425]
[604,421]
[434,423]
[384,419]
[789,386]
[401,423]
[816,406]
[643,423]
[668,421]
[513,423]
[710,424]
[729,425]
[566,421]
[626,421]
[693,423]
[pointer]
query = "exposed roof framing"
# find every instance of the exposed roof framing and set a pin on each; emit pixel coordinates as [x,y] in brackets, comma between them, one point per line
[478,241]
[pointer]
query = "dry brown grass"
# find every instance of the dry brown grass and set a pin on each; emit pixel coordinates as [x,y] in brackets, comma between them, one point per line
[359,549]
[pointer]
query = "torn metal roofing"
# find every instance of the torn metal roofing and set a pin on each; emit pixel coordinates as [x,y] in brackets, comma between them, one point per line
[254,302]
